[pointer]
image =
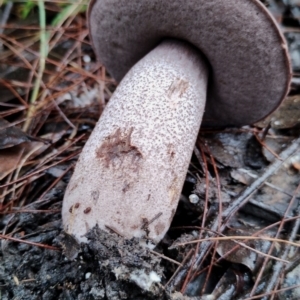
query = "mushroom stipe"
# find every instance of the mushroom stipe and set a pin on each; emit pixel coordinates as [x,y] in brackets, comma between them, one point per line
[133,166]
[179,62]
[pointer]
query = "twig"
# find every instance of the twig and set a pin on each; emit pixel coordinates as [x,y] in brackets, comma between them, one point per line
[205,210]
[278,267]
[234,238]
[180,267]
[240,201]
[25,177]
[213,258]
[32,211]
[270,293]
[263,144]
[165,257]
[54,183]
[5,237]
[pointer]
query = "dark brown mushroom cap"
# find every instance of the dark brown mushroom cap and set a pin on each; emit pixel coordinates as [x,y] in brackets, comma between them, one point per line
[250,69]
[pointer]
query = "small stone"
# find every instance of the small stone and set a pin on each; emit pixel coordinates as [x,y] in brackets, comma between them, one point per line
[86,58]
[194,198]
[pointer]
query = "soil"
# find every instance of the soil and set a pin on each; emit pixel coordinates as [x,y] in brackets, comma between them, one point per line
[105,268]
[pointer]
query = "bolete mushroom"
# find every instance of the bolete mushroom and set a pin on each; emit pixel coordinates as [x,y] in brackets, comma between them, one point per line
[175,59]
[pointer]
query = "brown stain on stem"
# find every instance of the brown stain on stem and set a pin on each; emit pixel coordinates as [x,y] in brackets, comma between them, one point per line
[174,190]
[170,151]
[87,210]
[118,146]
[177,88]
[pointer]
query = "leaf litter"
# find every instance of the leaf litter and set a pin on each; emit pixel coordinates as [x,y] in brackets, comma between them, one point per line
[241,195]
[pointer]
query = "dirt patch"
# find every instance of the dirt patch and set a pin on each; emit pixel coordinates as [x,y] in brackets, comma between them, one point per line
[108,267]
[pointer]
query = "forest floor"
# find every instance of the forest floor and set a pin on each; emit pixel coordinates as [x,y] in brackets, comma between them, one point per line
[52,92]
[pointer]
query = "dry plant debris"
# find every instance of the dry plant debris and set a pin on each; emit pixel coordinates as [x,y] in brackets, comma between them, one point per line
[235,234]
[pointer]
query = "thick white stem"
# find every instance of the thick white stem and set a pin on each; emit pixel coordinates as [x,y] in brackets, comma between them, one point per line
[131,171]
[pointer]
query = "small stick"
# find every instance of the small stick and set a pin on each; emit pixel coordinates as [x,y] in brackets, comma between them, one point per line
[242,200]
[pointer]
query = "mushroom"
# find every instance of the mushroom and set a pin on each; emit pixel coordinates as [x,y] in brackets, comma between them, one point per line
[174,59]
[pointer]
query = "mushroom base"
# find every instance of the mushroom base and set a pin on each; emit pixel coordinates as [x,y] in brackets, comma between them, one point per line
[131,171]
